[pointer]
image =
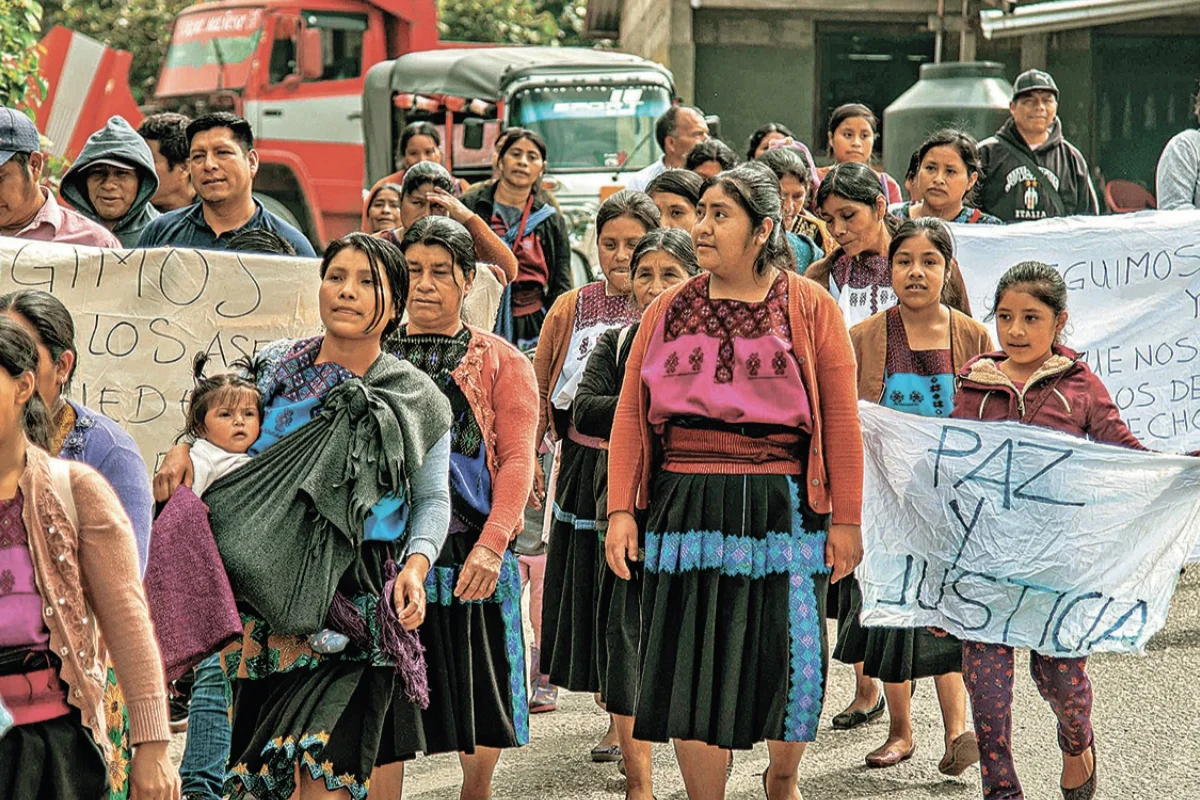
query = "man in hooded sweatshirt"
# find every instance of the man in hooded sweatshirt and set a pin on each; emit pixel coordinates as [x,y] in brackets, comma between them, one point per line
[113,180]
[1029,170]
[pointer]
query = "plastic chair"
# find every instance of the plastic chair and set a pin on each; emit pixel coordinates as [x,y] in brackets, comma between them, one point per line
[1122,197]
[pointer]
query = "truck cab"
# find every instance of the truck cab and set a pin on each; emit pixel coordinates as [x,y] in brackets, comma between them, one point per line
[596,109]
[296,71]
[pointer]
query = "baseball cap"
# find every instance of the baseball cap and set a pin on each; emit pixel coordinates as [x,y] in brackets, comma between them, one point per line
[1032,80]
[17,134]
[112,162]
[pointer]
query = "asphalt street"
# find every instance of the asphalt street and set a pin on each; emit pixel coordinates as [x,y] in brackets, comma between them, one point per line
[1146,717]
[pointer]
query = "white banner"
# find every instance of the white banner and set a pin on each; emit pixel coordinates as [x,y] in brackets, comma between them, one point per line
[1134,305]
[1014,534]
[141,316]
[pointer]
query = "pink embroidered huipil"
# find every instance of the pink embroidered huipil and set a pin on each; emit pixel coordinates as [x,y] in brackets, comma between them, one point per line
[731,363]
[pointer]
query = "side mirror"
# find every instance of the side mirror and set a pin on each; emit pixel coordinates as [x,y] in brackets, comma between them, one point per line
[312,66]
[714,126]
[473,134]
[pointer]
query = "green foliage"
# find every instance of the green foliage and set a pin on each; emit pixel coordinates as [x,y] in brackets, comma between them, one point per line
[143,27]
[20,85]
[537,22]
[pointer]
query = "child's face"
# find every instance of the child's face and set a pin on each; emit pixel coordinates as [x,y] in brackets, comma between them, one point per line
[1027,328]
[233,423]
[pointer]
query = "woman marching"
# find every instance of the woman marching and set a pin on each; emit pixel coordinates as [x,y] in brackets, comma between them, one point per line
[1034,380]
[737,432]
[662,259]
[857,273]
[426,191]
[676,192]
[516,207]
[947,171]
[69,553]
[474,645]
[572,560]
[79,433]
[795,189]
[907,358]
[853,131]
[348,555]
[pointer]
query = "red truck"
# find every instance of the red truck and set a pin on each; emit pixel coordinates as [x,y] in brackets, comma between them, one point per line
[294,70]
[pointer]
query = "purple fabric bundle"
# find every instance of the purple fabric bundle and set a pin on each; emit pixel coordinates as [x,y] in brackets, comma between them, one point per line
[191,604]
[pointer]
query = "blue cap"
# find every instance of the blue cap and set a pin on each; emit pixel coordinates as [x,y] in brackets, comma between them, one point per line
[17,135]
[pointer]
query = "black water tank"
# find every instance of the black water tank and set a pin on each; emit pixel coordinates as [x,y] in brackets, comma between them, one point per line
[972,96]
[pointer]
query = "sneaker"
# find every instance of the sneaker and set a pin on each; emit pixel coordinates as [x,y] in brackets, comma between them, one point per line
[545,696]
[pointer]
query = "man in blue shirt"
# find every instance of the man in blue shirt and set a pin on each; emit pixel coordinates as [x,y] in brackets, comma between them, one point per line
[222,161]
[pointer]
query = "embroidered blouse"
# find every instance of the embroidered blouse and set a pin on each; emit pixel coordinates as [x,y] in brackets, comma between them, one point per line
[595,312]
[726,360]
[21,624]
[862,286]
[968,215]
[918,382]
[470,482]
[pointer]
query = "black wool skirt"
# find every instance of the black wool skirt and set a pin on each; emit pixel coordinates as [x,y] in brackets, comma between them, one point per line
[53,760]
[528,329]
[476,658]
[618,628]
[570,592]
[335,716]
[733,608]
[893,655]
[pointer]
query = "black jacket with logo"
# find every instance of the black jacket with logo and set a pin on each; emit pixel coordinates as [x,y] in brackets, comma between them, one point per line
[1009,189]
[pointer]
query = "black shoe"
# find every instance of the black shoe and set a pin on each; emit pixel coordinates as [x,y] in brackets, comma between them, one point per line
[853,719]
[178,700]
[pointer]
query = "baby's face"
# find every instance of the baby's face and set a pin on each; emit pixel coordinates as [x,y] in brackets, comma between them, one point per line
[233,426]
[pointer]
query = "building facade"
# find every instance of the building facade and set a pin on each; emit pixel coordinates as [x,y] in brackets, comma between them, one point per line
[1126,87]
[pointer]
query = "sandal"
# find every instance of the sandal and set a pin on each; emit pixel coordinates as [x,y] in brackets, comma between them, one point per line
[963,752]
[606,754]
[1088,790]
[848,720]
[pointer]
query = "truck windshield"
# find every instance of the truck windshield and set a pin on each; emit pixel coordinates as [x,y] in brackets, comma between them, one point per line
[593,127]
[210,51]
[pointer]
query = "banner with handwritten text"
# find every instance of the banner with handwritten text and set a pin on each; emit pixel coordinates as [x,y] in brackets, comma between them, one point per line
[1133,284]
[141,316]
[1013,534]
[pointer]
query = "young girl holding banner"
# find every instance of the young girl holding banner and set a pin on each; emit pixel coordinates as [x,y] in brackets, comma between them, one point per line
[907,359]
[1035,381]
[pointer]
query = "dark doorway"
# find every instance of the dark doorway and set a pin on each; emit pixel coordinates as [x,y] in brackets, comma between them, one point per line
[871,64]
[1145,86]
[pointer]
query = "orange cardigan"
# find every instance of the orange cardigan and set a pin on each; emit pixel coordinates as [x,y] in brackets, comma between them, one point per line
[89,580]
[822,348]
[551,355]
[498,382]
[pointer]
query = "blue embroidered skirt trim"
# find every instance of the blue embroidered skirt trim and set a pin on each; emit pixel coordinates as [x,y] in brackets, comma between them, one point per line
[573,558]
[733,634]
[476,658]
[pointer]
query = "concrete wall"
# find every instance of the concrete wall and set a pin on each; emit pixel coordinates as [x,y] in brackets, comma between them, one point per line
[661,30]
[753,68]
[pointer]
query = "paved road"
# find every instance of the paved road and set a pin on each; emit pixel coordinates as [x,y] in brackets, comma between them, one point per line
[1147,718]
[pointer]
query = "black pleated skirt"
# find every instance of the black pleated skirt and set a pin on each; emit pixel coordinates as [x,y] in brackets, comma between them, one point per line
[573,557]
[476,658]
[53,760]
[733,608]
[893,655]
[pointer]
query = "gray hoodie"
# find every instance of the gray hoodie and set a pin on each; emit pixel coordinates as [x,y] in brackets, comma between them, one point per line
[119,141]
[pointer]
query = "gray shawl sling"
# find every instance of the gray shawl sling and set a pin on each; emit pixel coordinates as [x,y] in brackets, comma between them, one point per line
[290,522]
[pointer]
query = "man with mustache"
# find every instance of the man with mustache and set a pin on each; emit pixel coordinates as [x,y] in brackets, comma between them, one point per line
[113,180]
[223,162]
[1029,170]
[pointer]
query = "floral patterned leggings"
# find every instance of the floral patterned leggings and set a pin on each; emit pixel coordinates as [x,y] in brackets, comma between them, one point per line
[1063,683]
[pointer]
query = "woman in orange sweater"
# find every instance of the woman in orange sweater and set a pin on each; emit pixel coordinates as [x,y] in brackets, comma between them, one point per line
[67,547]
[737,430]
[474,645]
